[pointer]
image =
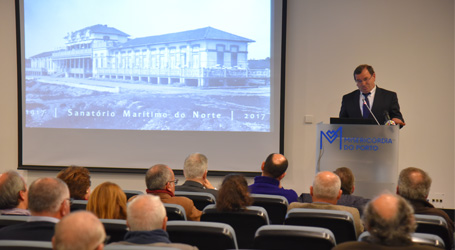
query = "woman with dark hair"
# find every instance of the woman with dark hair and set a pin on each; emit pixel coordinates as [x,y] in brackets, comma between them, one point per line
[78,181]
[233,194]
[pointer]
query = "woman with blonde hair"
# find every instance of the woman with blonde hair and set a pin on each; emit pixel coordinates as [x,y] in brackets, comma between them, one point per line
[108,201]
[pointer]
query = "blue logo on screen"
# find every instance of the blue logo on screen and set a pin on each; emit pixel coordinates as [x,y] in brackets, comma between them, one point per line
[331,136]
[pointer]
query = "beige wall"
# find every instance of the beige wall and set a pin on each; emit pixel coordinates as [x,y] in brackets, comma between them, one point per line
[409,42]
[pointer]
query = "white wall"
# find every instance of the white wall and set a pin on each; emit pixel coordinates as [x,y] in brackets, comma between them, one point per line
[410,43]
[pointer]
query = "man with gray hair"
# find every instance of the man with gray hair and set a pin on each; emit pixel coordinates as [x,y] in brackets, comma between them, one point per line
[13,190]
[195,172]
[325,193]
[48,201]
[414,185]
[160,181]
[79,230]
[390,221]
[146,220]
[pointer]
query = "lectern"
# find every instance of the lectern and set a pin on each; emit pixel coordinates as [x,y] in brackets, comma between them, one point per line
[370,151]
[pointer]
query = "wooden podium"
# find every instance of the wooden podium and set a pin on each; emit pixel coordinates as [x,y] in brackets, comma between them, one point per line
[370,151]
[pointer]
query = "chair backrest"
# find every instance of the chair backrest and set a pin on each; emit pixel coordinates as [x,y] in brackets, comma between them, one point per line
[6,220]
[433,224]
[25,245]
[200,199]
[341,223]
[291,237]
[131,193]
[418,238]
[115,229]
[245,223]
[137,247]
[275,205]
[174,211]
[78,205]
[204,235]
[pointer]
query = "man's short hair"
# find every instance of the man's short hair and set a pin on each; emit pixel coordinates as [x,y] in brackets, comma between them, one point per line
[77,179]
[78,230]
[12,184]
[195,166]
[361,67]
[392,231]
[414,184]
[157,176]
[47,194]
[326,188]
[145,213]
[347,179]
[275,169]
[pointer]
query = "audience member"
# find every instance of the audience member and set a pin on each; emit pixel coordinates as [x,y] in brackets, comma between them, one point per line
[233,194]
[195,172]
[79,230]
[48,201]
[273,171]
[325,193]
[13,190]
[390,221]
[78,181]
[108,201]
[347,186]
[146,221]
[160,181]
[414,185]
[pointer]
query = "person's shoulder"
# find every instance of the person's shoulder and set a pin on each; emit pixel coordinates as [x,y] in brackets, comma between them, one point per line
[385,91]
[350,94]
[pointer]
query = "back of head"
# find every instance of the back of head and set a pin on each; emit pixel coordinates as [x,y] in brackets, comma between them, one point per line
[326,185]
[157,176]
[108,201]
[233,194]
[46,195]
[195,166]
[390,220]
[78,181]
[275,165]
[414,184]
[11,183]
[145,213]
[347,179]
[361,67]
[78,230]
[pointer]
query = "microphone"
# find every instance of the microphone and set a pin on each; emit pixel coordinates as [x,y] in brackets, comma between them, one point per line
[388,120]
[365,103]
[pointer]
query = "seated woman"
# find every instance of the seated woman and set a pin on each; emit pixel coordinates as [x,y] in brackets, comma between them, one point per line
[108,201]
[233,194]
[78,181]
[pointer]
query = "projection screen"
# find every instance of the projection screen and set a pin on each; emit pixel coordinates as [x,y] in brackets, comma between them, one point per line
[123,85]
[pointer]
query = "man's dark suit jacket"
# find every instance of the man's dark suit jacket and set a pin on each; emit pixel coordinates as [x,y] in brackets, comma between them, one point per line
[34,230]
[384,100]
[193,186]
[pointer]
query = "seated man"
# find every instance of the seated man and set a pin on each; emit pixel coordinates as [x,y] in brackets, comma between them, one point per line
[273,171]
[390,221]
[79,230]
[325,193]
[48,201]
[195,172]
[146,220]
[414,185]
[160,181]
[13,198]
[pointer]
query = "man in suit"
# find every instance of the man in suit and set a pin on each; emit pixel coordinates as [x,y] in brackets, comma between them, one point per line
[382,102]
[160,181]
[48,201]
[13,190]
[325,193]
[79,230]
[195,172]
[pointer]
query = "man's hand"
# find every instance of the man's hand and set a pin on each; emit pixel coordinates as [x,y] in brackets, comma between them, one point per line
[398,122]
[206,183]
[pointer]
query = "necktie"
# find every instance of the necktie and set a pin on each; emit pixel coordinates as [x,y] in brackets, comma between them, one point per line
[366,112]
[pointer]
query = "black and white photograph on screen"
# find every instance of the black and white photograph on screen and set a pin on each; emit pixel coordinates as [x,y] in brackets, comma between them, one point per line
[178,65]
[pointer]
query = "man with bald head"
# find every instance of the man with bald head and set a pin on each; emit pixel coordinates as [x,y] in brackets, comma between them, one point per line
[160,181]
[48,201]
[414,185]
[79,230]
[273,171]
[325,192]
[390,221]
[13,190]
